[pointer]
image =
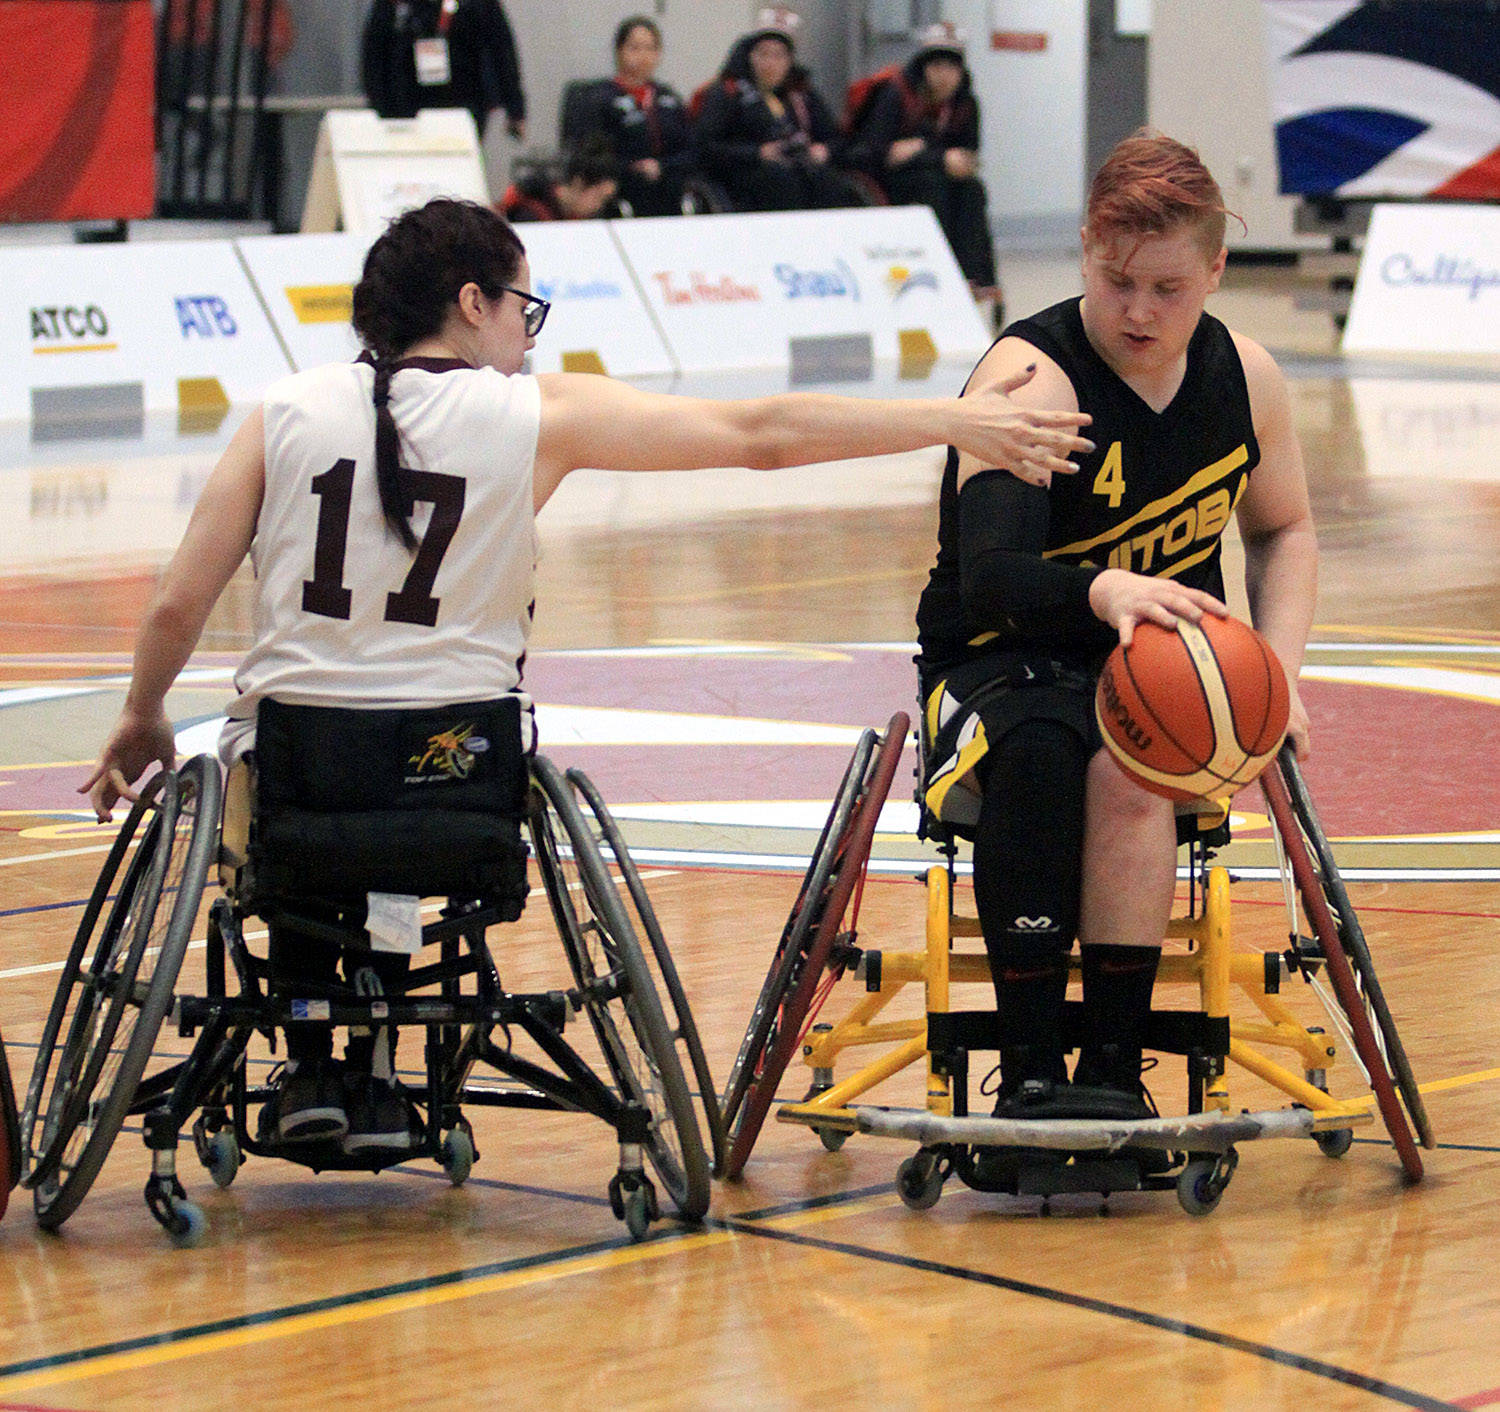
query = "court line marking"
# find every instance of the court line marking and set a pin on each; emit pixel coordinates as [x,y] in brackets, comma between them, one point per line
[1299,1361]
[150,1350]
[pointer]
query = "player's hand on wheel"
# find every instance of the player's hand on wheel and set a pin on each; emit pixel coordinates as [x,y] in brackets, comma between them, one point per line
[1123,599]
[1298,730]
[136,742]
[1031,443]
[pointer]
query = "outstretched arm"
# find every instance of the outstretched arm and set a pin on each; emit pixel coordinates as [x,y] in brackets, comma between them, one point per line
[218,537]
[595,421]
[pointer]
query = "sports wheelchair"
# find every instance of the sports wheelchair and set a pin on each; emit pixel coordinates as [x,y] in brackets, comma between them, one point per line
[821,943]
[97,1063]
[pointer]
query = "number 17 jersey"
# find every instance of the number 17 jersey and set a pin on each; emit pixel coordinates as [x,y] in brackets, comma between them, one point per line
[344,613]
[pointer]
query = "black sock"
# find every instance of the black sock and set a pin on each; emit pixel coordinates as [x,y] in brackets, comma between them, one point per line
[1117,986]
[1031,980]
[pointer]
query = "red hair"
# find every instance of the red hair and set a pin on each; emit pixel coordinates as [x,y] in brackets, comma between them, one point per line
[1151,184]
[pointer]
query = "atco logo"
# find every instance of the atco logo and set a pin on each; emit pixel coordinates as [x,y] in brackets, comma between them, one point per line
[204,316]
[61,328]
[837,283]
[901,280]
[554,291]
[700,289]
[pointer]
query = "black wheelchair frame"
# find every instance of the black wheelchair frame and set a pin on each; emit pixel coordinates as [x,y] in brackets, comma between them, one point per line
[96,1063]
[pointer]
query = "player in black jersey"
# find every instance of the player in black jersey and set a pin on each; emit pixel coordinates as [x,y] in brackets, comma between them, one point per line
[1033,585]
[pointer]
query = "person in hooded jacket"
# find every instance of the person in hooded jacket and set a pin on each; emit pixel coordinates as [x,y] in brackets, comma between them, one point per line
[918,137]
[763,131]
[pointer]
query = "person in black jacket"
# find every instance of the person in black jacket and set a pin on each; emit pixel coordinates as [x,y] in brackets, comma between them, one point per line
[579,189]
[918,137]
[642,122]
[764,132]
[442,54]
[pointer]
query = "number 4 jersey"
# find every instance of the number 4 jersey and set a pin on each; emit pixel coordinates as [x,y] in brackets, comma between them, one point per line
[344,613]
[1153,497]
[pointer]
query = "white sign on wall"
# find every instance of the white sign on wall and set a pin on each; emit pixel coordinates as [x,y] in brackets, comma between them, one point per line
[1429,281]
[740,290]
[147,317]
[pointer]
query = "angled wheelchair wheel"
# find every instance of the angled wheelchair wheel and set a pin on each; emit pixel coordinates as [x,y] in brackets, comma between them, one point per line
[834,879]
[1351,968]
[116,986]
[620,996]
[10,1134]
[658,958]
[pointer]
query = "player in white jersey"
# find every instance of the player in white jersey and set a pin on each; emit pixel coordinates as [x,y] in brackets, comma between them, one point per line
[388,509]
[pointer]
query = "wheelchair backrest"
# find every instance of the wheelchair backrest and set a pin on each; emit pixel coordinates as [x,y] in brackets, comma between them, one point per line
[423,801]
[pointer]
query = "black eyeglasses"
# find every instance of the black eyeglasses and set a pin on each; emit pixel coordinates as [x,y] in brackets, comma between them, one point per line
[533,310]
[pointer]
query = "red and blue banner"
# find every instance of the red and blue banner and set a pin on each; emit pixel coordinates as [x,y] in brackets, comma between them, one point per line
[1395,98]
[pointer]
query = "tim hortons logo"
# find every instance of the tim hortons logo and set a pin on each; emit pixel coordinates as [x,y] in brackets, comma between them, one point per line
[699,289]
[1119,713]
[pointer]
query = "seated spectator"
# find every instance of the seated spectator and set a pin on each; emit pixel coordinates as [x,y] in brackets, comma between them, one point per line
[918,136]
[764,132]
[442,54]
[587,183]
[642,122]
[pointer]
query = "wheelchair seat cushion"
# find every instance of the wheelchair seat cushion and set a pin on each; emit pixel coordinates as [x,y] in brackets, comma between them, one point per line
[425,801]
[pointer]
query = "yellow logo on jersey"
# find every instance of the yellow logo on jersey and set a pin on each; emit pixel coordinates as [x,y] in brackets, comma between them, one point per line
[448,755]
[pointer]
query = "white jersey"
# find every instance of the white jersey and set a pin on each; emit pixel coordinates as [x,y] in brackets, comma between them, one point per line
[345,615]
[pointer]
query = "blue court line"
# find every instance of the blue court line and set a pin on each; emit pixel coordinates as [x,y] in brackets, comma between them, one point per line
[1316,1366]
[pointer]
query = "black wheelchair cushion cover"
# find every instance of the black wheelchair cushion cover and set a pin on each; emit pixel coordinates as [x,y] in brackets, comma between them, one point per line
[425,801]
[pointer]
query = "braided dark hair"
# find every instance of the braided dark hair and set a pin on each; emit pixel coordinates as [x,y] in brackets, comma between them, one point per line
[411,278]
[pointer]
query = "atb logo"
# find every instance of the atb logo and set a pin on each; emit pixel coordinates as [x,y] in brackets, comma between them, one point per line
[204,316]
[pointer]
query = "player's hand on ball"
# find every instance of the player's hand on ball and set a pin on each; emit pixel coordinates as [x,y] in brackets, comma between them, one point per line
[1123,599]
[1031,443]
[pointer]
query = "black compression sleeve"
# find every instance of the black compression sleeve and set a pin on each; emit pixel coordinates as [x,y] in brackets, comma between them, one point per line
[1005,583]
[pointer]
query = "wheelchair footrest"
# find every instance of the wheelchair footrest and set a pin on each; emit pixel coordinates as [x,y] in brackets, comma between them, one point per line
[1202,1132]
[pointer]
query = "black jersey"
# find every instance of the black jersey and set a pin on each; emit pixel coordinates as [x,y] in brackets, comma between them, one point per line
[1153,497]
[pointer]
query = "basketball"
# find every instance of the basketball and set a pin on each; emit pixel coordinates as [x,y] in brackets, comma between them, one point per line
[1195,712]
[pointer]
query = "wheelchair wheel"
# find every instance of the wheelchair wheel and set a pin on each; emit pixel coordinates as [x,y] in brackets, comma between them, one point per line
[1351,968]
[621,999]
[658,957]
[116,986]
[10,1134]
[837,869]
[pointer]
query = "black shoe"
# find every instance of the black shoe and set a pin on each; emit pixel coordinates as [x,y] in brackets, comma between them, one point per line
[381,1120]
[309,1103]
[1109,1080]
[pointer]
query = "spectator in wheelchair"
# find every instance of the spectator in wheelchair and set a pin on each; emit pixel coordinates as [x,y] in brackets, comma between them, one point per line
[1033,584]
[388,509]
[915,132]
[764,132]
[642,123]
[579,189]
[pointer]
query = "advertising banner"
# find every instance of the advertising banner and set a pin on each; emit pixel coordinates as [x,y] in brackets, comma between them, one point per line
[598,322]
[104,329]
[822,292]
[1429,281]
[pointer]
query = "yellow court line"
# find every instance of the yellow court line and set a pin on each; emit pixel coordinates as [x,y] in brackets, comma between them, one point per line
[1439,1085]
[413,1300]
[230,1339]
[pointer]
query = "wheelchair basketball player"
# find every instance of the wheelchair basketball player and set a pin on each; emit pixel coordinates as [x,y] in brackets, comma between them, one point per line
[1033,585]
[388,507]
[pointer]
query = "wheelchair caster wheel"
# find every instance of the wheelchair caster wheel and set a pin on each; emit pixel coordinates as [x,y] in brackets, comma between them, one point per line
[637,1213]
[186,1223]
[1335,1142]
[832,1138]
[633,1200]
[456,1156]
[919,1182]
[223,1158]
[1199,1186]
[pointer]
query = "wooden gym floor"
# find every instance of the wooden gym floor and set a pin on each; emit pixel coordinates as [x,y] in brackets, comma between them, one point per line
[677,617]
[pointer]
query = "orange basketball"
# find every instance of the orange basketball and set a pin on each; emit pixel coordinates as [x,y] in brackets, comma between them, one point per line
[1196,712]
